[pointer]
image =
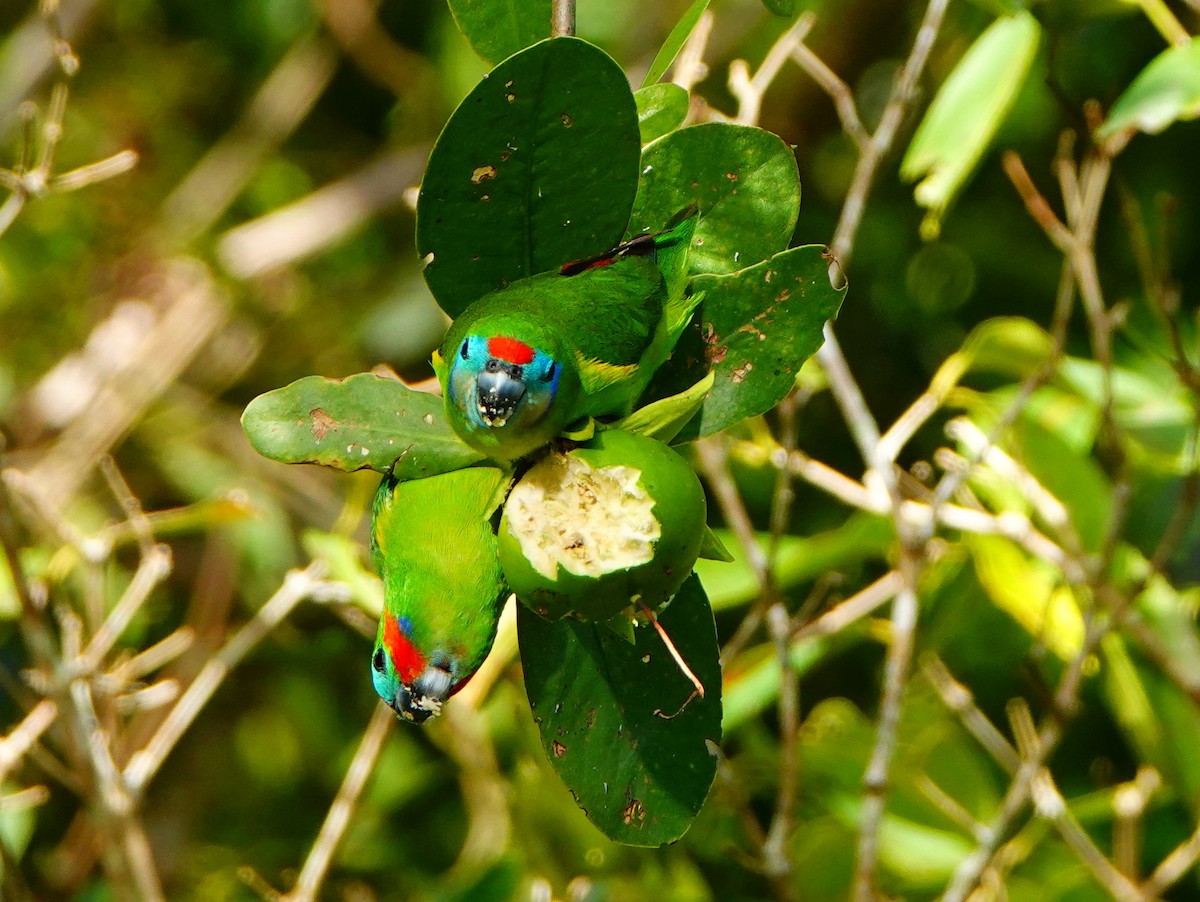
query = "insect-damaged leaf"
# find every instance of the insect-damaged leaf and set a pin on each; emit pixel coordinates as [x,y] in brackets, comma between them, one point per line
[361,422]
[536,167]
[610,716]
[744,181]
[753,331]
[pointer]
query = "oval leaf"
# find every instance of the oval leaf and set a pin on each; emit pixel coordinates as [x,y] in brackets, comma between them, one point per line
[754,330]
[661,109]
[745,182]
[538,166]
[610,718]
[358,423]
[785,8]
[1166,91]
[496,30]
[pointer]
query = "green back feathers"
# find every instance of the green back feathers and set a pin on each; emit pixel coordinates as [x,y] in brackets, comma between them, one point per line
[433,545]
[608,313]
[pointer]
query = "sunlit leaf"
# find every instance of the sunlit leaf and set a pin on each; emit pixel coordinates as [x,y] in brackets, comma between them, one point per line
[358,423]
[661,109]
[753,331]
[744,181]
[966,113]
[664,418]
[537,167]
[615,718]
[1166,91]
[496,30]
[1030,592]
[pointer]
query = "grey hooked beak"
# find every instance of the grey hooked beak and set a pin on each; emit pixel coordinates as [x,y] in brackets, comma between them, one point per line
[499,389]
[425,697]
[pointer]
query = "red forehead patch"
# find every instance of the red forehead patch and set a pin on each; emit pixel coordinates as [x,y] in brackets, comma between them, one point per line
[510,349]
[409,662]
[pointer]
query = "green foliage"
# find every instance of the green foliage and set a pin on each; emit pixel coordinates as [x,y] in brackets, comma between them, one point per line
[674,42]
[755,328]
[968,110]
[361,422]
[280,124]
[536,167]
[620,723]
[661,109]
[1166,91]
[743,180]
[497,30]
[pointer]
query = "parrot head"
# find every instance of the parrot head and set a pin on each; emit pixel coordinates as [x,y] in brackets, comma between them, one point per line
[500,383]
[414,684]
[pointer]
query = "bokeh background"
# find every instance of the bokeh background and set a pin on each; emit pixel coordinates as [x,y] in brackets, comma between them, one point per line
[266,233]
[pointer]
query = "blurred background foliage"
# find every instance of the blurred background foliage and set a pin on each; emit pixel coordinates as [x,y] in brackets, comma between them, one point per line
[279,142]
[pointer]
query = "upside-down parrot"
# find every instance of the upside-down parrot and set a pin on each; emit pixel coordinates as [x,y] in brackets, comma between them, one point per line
[434,546]
[523,363]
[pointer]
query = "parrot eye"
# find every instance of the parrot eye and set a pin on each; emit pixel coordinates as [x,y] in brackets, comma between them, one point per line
[462,352]
[549,377]
[378,662]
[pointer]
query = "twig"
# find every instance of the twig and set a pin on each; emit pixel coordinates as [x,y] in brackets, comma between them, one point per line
[875,780]
[337,819]
[839,92]
[297,585]
[672,650]
[21,738]
[749,89]
[562,18]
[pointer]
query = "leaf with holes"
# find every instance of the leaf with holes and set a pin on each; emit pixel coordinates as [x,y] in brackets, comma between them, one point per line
[743,179]
[536,167]
[615,719]
[358,423]
[753,331]
[496,30]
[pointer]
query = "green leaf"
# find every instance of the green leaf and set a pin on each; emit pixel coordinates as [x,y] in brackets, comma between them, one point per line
[754,330]
[785,8]
[966,113]
[358,423]
[496,30]
[1030,592]
[661,109]
[713,549]
[674,42]
[664,418]
[798,559]
[615,720]
[536,167]
[745,182]
[1166,91]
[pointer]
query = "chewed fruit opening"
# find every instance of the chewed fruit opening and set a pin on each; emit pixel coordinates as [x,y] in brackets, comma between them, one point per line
[588,521]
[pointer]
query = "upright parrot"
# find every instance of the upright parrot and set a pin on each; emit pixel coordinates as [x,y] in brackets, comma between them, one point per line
[524,362]
[434,546]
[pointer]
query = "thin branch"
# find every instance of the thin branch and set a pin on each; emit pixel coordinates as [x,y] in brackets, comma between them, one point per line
[562,18]
[875,780]
[337,819]
[297,586]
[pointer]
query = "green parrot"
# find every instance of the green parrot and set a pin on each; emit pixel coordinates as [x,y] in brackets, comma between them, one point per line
[434,546]
[524,362]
